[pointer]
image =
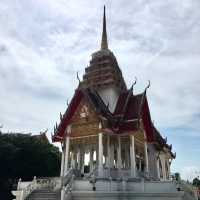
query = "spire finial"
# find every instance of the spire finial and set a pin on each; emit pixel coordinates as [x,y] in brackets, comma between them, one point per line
[104,42]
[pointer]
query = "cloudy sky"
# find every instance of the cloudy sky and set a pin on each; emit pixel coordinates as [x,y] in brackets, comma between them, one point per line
[44,43]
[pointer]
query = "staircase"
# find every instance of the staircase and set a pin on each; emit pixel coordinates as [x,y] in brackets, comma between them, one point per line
[102,189]
[43,194]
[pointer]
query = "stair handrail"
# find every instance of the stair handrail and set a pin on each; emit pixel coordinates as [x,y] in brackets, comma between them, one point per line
[49,182]
[24,189]
[67,184]
[92,174]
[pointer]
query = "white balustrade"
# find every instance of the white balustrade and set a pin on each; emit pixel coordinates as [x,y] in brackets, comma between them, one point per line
[26,188]
[67,185]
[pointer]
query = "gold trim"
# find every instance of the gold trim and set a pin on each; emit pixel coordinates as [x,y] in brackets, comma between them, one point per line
[86,136]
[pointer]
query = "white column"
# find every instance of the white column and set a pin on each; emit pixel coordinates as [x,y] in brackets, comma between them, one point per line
[91,159]
[112,155]
[97,156]
[100,163]
[127,157]
[108,152]
[146,157]
[140,164]
[158,168]
[132,155]
[70,158]
[119,158]
[168,168]
[146,154]
[62,163]
[79,158]
[73,159]
[66,154]
[163,167]
[82,161]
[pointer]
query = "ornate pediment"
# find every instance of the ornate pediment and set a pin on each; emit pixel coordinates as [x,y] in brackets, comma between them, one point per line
[85,120]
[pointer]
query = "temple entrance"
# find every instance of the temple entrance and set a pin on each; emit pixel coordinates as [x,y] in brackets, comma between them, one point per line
[107,156]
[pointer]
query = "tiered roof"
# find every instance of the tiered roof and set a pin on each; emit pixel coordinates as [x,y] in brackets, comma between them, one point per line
[103,70]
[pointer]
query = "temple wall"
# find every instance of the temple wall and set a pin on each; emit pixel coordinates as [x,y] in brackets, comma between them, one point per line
[109,95]
[152,161]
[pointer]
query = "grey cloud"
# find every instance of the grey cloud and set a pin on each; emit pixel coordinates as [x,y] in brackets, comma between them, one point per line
[44,43]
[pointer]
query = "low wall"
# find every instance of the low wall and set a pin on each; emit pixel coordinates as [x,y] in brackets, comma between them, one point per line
[122,185]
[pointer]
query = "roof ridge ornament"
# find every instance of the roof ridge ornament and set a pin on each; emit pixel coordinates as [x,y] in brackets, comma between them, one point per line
[61,116]
[134,83]
[148,86]
[77,76]
[143,97]
[104,42]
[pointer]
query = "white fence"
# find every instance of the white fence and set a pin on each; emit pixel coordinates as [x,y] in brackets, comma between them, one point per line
[26,188]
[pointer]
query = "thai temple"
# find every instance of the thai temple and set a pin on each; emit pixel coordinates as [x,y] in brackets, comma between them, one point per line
[110,147]
[112,124]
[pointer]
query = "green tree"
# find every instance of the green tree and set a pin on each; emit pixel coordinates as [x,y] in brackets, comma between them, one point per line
[25,156]
[196,181]
[177,176]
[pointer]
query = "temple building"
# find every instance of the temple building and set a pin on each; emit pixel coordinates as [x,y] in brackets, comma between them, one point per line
[110,147]
[107,129]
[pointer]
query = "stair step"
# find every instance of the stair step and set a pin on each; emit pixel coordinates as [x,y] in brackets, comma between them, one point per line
[43,194]
[99,195]
[36,193]
[41,198]
[43,191]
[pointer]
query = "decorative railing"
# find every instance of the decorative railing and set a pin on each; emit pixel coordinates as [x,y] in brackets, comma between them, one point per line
[92,174]
[26,188]
[189,190]
[67,184]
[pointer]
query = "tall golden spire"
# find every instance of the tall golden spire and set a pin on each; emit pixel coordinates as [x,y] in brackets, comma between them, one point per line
[104,42]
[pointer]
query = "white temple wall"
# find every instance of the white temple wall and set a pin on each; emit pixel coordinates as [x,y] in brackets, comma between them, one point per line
[110,96]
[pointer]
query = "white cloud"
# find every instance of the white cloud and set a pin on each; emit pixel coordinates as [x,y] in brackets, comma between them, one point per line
[190,172]
[44,43]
